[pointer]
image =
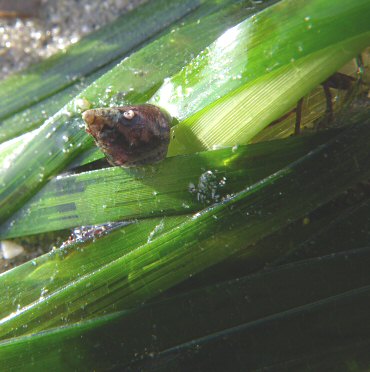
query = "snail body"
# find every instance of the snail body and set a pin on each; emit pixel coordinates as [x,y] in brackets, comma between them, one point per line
[130,135]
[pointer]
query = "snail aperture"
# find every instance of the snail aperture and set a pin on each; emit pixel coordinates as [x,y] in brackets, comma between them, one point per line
[130,135]
[129,114]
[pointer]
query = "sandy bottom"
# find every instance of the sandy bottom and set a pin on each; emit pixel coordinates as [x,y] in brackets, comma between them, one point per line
[52,25]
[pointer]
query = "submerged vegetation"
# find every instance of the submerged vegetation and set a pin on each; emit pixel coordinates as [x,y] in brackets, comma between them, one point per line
[266,168]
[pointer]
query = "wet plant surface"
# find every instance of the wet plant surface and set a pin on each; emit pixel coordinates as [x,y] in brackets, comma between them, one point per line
[247,217]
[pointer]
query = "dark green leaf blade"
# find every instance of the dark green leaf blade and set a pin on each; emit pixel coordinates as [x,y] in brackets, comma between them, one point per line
[179,185]
[127,336]
[46,151]
[202,241]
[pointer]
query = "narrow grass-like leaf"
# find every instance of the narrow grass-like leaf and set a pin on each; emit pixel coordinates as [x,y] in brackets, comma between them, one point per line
[260,102]
[286,341]
[35,115]
[202,241]
[32,117]
[182,143]
[92,52]
[62,266]
[278,36]
[179,185]
[332,228]
[182,318]
[132,264]
[50,148]
[345,223]
[244,95]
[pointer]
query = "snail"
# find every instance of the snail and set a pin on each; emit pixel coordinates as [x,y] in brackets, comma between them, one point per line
[130,135]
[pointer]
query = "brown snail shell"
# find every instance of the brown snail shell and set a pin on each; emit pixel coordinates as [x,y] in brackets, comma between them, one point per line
[130,135]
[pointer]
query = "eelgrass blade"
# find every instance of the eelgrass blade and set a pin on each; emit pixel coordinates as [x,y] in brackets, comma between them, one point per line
[92,52]
[66,125]
[44,152]
[120,338]
[260,102]
[290,340]
[178,185]
[33,116]
[332,228]
[201,241]
[62,266]
[340,228]
[285,33]
[235,98]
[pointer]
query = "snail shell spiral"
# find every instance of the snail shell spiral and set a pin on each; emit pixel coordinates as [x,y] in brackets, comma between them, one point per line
[130,135]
